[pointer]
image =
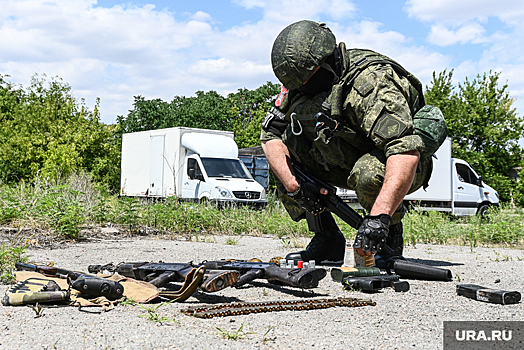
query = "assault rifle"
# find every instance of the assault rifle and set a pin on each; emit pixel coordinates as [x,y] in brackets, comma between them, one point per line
[336,205]
[249,271]
[333,203]
[218,274]
[160,274]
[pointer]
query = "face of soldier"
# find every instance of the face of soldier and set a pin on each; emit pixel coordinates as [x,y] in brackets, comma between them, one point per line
[320,81]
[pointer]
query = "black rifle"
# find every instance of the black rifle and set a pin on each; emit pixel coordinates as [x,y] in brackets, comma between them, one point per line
[249,271]
[336,205]
[49,270]
[160,274]
[375,283]
[219,274]
[333,203]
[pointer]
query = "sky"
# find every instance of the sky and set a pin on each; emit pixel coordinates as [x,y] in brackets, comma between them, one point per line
[116,49]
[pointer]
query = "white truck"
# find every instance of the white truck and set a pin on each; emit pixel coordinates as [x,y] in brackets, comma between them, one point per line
[454,187]
[191,164]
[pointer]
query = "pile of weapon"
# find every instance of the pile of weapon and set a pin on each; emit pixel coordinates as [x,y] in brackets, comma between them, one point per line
[208,276]
[371,279]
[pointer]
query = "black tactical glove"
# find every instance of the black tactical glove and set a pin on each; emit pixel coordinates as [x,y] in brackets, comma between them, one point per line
[308,196]
[372,233]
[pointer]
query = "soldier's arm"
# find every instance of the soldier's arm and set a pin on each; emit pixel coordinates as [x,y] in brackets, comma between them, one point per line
[381,108]
[278,158]
[400,172]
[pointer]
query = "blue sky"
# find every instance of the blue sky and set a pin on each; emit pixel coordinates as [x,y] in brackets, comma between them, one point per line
[115,49]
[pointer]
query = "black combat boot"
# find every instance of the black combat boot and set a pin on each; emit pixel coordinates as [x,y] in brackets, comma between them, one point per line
[395,241]
[327,247]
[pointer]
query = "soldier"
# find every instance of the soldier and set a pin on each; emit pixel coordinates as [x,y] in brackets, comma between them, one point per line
[379,139]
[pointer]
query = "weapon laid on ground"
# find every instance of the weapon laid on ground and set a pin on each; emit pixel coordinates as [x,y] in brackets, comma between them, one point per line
[488,295]
[336,205]
[338,273]
[32,291]
[249,271]
[52,271]
[375,283]
[219,274]
[89,285]
[416,271]
[160,274]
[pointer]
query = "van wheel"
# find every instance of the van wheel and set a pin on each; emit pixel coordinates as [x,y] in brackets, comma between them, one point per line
[483,212]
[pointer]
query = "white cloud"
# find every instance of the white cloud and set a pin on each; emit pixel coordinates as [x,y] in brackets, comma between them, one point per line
[470,33]
[123,51]
[461,11]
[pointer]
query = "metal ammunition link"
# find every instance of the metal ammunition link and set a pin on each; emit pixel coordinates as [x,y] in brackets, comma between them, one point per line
[244,308]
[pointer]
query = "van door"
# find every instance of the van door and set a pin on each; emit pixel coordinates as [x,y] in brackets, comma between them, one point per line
[467,193]
[192,178]
[156,165]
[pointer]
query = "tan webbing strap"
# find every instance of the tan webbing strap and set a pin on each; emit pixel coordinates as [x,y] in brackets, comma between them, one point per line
[291,109]
[191,283]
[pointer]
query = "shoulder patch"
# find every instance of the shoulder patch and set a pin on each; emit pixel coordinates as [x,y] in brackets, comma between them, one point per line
[281,97]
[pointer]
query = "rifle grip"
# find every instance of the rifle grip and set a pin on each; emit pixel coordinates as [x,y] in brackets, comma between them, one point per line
[249,277]
[163,279]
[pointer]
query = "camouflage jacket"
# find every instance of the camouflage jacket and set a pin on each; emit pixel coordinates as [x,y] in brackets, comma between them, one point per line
[374,102]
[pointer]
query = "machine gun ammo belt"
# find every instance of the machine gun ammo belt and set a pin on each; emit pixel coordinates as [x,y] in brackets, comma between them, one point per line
[244,308]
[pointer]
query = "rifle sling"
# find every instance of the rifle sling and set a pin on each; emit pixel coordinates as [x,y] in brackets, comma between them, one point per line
[191,283]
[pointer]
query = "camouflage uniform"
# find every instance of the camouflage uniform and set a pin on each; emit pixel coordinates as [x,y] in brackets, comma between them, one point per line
[375,105]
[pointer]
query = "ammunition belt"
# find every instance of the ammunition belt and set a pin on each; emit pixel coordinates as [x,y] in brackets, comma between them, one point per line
[244,308]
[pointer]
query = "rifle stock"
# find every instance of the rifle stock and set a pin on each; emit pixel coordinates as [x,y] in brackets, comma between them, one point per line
[249,271]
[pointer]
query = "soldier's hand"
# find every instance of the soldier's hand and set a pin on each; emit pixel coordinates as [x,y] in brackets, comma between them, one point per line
[372,234]
[310,196]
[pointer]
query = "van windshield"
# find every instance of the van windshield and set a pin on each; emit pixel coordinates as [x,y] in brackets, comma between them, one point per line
[220,167]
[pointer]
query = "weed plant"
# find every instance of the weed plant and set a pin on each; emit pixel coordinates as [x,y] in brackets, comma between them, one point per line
[64,206]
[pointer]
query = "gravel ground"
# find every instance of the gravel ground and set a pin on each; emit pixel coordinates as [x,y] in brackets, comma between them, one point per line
[411,320]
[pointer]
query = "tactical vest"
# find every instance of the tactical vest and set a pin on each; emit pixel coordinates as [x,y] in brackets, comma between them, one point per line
[356,60]
[343,146]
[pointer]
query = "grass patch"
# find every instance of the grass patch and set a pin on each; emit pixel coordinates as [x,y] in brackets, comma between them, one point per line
[63,207]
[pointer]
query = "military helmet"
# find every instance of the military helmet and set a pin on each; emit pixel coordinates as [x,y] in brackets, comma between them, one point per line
[298,51]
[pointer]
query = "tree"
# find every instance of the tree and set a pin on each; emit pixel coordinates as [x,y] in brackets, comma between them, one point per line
[241,112]
[484,126]
[205,111]
[248,109]
[46,132]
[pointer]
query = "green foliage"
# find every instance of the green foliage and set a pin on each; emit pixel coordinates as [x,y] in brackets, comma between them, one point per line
[233,335]
[504,227]
[11,252]
[153,315]
[46,132]
[484,126]
[241,112]
[206,111]
[248,109]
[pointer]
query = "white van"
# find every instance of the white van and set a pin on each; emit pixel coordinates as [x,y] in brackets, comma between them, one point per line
[192,164]
[454,187]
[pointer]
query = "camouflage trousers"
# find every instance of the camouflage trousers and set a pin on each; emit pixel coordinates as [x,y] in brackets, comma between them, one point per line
[365,178]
